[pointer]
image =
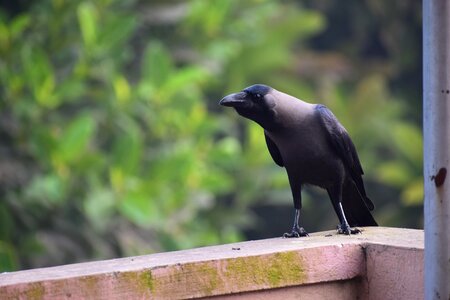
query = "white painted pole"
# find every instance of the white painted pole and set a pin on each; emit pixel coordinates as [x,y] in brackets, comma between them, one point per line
[436,130]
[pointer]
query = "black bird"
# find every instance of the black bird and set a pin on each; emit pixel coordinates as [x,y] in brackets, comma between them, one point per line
[315,149]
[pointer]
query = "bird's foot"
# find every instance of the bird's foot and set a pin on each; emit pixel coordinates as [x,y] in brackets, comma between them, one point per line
[296,232]
[345,229]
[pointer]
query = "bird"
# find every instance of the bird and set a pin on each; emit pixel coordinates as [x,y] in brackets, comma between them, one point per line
[314,148]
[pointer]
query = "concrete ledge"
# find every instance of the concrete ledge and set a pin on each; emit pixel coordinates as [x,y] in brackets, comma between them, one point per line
[380,263]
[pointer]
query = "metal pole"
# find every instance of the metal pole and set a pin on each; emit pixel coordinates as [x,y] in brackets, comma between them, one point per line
[436,130]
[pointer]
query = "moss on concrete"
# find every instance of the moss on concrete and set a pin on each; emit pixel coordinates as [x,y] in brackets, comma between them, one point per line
[279,269]
[34,292]
[141,281]
[232,275]
[196,273]
[198,279]
[177,281]
[286,268]
[91,285]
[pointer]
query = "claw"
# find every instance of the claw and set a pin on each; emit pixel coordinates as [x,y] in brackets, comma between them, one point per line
[292,234]
[295,233]
[345,229]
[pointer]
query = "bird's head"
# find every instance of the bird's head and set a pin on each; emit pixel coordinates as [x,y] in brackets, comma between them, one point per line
[254,102]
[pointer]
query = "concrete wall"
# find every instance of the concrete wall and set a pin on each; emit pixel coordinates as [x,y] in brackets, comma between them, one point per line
[380,263]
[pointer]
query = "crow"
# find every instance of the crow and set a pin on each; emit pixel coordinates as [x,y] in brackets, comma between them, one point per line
[315,149]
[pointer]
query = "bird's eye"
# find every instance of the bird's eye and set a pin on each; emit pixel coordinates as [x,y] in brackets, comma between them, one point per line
[258,96]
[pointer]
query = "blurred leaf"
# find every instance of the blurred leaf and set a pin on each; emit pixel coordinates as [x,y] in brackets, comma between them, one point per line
[141,209]
[217,182]
[75,138]
[49,189]
[116,31]
[8,258]
[408,139]
[88,24]
[44,93]
[6,222]
[39,71]
[226,152]
[256,145]
[128,147]
[4,37]
[157,65]
[395,173]
[209,15]
[413,193]
[19,24]
[183,78]
[70,90]
[99,207]
[122,89]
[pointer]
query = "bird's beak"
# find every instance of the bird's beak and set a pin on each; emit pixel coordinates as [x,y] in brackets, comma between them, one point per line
[234,100]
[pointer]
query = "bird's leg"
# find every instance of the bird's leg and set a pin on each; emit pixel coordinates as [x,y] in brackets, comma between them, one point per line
[344,227]
[336,199]
[296,231]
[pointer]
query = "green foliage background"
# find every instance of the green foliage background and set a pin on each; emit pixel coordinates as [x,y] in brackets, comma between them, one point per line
[112,143]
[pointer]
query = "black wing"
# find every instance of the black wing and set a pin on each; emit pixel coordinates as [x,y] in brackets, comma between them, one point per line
[343,145]
[273,150]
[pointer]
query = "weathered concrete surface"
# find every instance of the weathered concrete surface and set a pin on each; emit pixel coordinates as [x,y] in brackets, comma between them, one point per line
[342,290]
[309,266]
[394,273]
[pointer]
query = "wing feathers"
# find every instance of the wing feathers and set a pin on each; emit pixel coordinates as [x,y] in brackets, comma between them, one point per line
[274,151]
[344,147]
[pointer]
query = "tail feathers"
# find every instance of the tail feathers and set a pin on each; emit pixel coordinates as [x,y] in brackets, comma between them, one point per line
[368,203]
[357,207]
